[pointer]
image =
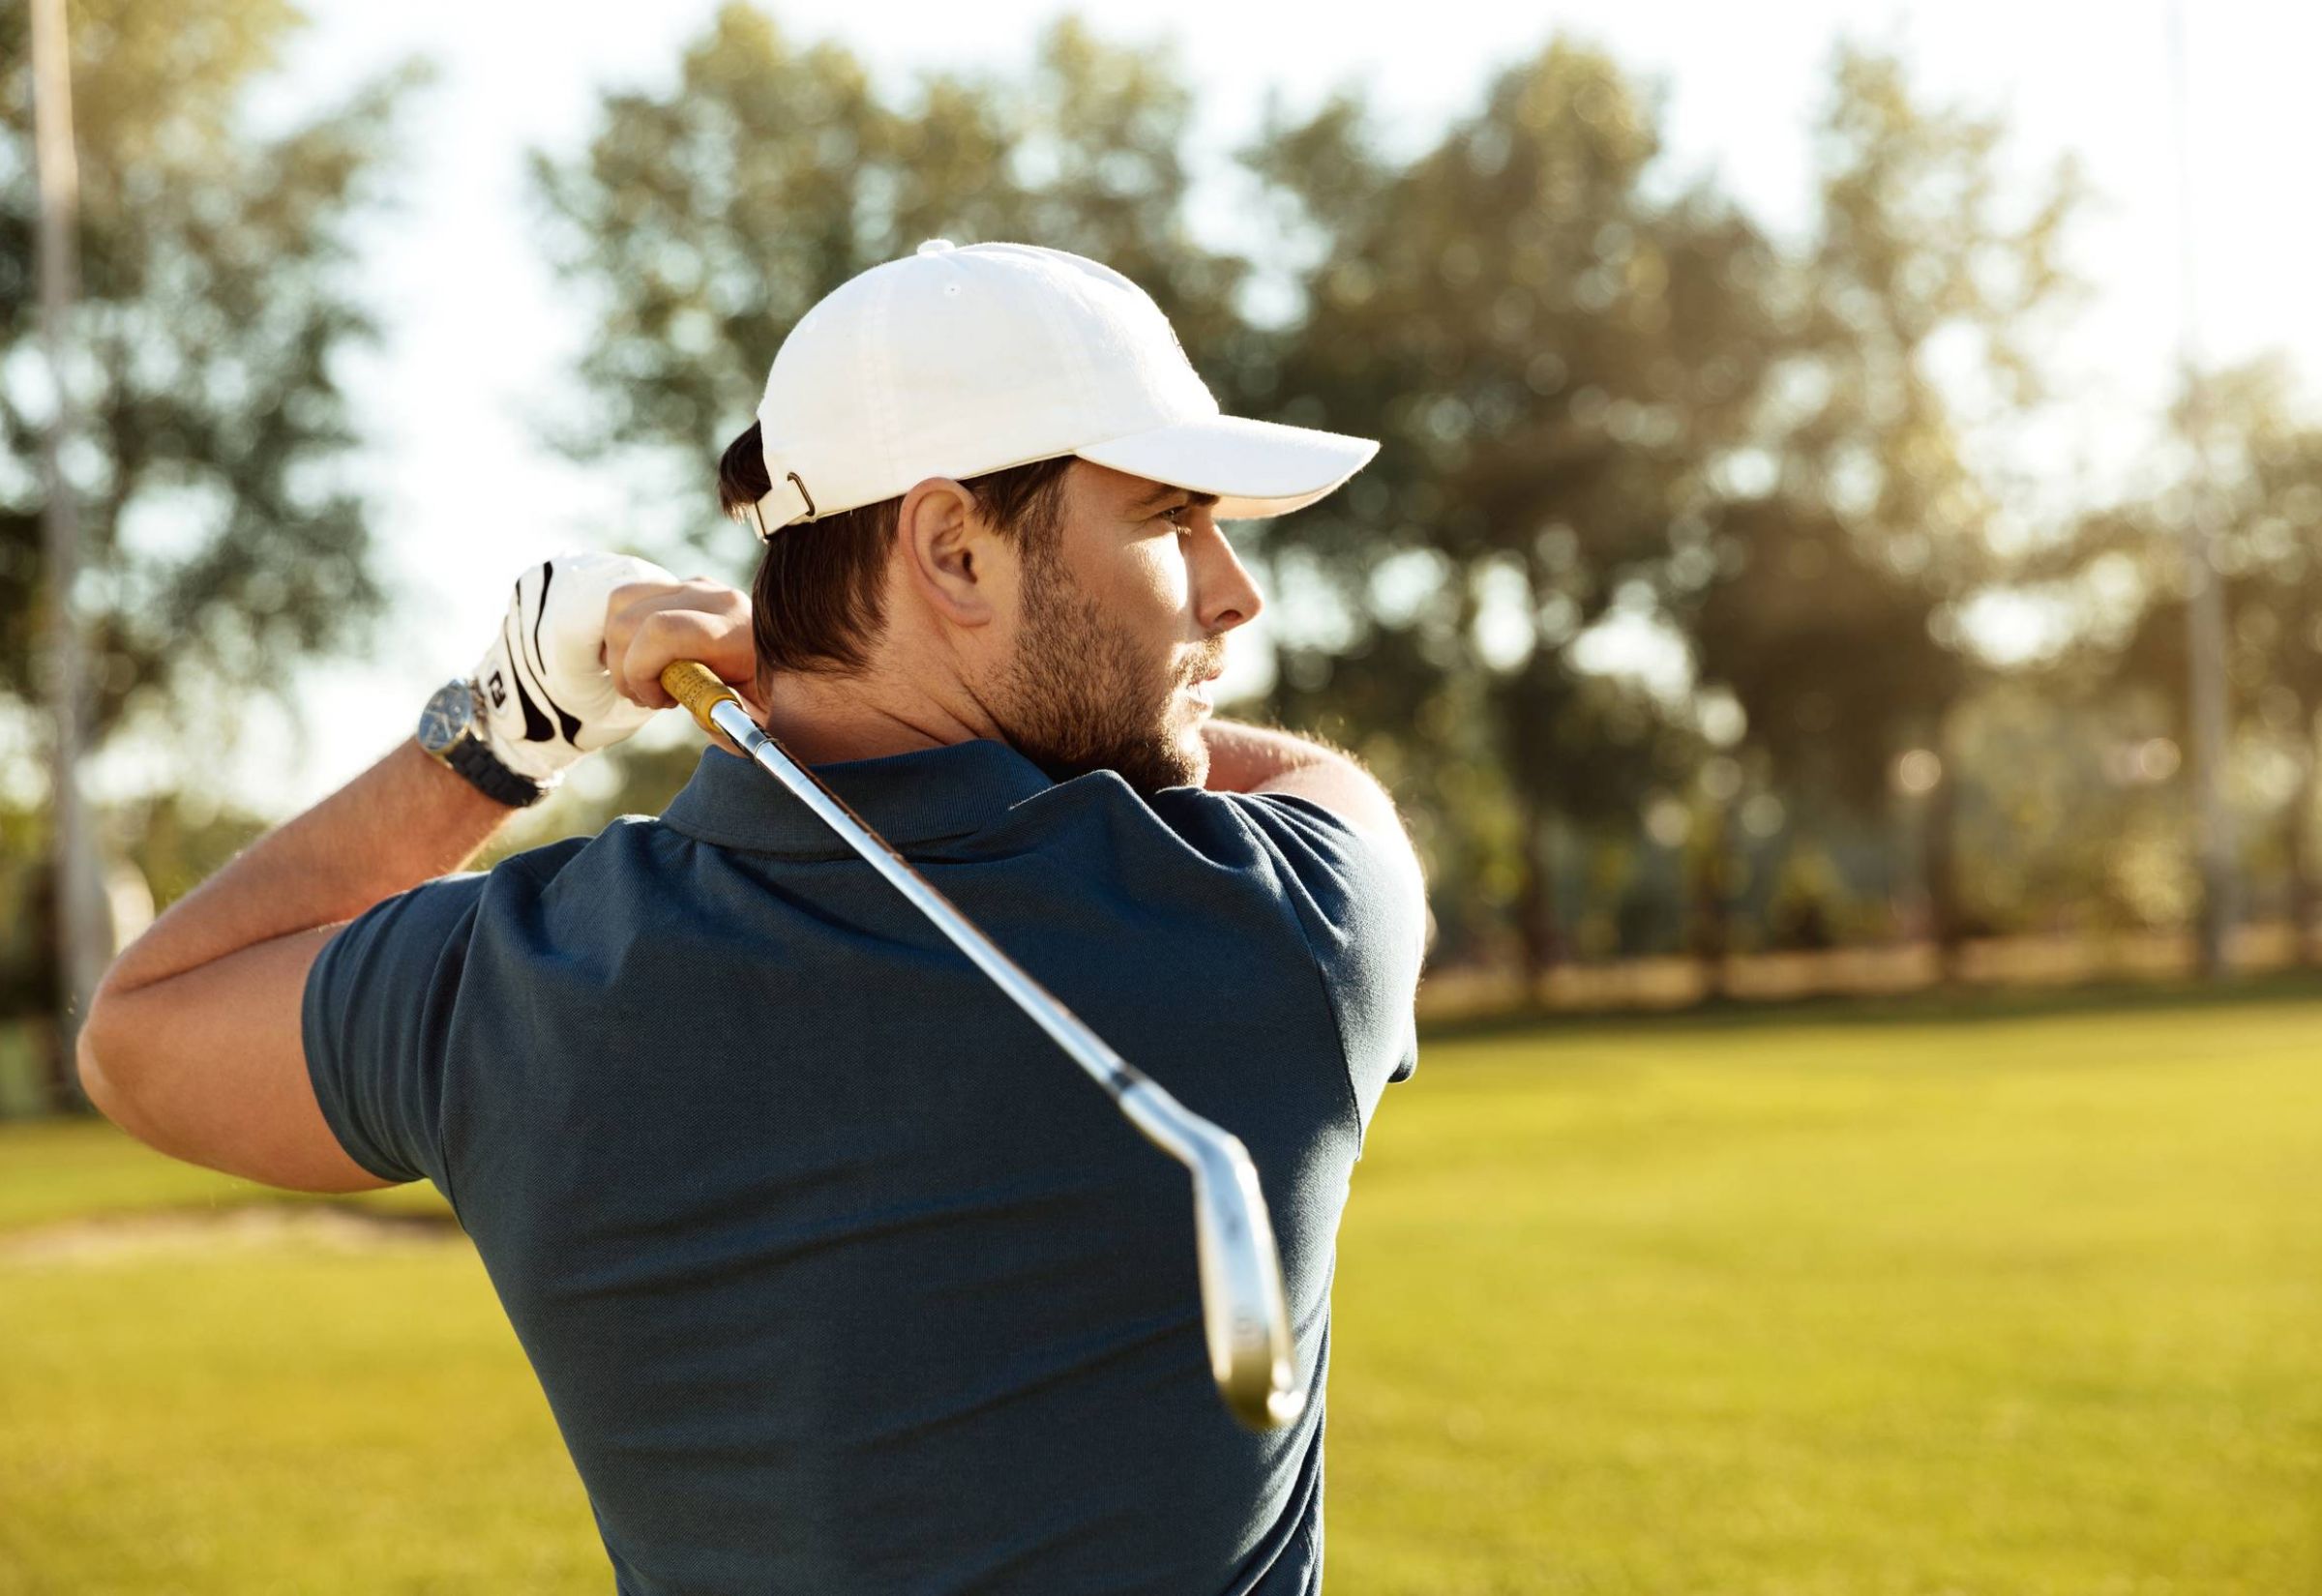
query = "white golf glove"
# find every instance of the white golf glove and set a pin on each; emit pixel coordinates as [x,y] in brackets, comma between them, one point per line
[547,696]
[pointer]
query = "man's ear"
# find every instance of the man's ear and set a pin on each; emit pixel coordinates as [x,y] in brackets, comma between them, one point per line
[951,556]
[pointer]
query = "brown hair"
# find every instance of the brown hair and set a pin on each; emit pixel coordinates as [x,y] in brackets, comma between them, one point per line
[817,603]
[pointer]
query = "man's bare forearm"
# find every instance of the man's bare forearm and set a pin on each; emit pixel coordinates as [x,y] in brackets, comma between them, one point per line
[1243,755]
[406,820]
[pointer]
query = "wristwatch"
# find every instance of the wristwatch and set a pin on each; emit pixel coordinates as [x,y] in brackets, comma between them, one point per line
[450,728]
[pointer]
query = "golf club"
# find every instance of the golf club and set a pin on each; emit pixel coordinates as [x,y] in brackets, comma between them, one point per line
[1244,1311]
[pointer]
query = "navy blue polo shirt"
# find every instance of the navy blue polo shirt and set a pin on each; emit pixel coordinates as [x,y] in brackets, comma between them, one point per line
[836,1274]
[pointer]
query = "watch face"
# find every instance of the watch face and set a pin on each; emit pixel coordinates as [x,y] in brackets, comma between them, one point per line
[448,713]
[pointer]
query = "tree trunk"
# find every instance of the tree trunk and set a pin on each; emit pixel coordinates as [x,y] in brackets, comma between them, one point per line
[1945,925]
[1712,918]
[2297,824]
[59,1072]
[34,993]
[1540,938]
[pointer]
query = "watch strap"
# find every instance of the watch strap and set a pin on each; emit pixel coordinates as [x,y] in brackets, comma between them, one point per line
[472,758]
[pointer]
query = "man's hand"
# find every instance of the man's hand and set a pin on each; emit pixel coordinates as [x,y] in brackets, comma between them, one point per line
[649,624]
[195,1042]
[575,663]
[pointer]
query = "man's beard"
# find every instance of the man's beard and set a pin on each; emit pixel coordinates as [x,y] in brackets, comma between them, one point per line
[1080,698]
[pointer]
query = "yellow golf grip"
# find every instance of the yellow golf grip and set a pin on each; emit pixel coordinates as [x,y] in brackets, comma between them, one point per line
[698,688]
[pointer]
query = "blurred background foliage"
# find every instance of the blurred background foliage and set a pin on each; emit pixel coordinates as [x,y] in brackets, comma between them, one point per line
[222,542]
[1611,402]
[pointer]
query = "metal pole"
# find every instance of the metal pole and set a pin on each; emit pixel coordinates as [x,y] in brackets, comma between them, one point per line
[81,922]
[2205,607]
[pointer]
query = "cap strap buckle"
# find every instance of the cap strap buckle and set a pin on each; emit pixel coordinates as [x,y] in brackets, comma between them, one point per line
[757,508]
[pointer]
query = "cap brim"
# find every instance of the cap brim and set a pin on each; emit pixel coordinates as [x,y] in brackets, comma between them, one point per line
[1257,468]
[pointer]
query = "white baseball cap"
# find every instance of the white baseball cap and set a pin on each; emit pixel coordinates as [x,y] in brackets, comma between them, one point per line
[953,362]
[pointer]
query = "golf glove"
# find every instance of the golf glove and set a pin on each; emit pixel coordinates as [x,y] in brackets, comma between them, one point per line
[545,695]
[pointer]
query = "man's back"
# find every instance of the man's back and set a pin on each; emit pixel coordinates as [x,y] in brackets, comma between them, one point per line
[835,1275]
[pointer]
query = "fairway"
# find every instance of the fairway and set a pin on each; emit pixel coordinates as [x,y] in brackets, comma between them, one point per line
[1838,1306]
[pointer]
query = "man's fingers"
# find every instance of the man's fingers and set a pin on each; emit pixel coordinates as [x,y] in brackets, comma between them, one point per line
[653,624]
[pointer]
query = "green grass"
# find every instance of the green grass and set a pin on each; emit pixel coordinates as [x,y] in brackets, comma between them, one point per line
[53,1170]
[2028,1304]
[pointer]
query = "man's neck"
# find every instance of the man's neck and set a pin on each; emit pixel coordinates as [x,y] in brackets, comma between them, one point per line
[827,720]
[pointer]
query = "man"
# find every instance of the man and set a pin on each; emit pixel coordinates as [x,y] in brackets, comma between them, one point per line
[836,1276]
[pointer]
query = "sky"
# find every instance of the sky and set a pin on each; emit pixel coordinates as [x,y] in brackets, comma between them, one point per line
[479,338]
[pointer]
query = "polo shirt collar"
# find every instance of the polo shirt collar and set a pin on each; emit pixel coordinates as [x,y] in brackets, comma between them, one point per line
[920,796]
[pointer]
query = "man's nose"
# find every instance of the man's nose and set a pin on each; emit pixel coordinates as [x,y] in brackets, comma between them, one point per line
[1229,597]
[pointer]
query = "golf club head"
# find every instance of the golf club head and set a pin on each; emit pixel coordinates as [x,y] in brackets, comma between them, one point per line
[1244,1313]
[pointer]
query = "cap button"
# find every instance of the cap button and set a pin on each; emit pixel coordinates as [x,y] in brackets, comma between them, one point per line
[936,246]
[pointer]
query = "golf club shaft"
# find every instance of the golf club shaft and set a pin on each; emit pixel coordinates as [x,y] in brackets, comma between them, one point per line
[1165,1121]
[1246,1316]
[1247,1323]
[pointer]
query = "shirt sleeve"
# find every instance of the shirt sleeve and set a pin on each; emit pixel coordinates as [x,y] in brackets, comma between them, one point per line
[376,1015]
[1364,910]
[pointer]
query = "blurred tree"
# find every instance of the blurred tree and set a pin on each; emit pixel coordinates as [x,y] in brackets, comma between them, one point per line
[2070,770]
[2263,472]
[28,962]
[704,223]
[1830,657]
[177,842]
[1835,618]
[1558,357]
[1808,903]
[168,841]
[219,547]
[1586,750]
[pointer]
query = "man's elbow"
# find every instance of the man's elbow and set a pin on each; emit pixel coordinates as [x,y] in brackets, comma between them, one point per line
[98,1062]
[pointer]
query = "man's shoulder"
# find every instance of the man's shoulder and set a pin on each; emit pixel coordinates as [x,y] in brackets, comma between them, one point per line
[1289,842]
[1183,825]
[1360,900]
[624,843]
